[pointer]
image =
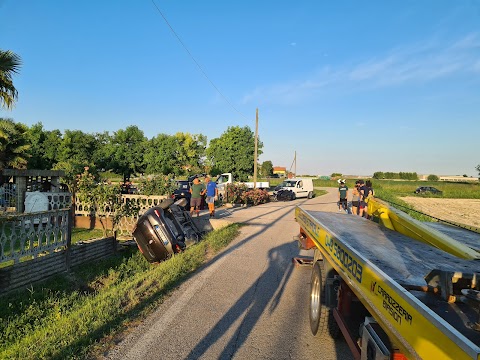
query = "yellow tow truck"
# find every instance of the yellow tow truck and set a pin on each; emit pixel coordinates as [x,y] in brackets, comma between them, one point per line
[395,287]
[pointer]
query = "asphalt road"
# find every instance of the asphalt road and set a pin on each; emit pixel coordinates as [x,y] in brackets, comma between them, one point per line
[249,302]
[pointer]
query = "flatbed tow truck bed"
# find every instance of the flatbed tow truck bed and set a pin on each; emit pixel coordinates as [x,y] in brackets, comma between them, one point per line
[410,288]
[469,238]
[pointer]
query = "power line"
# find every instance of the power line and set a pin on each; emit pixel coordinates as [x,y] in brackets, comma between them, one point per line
[195,61]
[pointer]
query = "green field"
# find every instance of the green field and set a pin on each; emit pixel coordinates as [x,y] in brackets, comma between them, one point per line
[393,191]
[389,188]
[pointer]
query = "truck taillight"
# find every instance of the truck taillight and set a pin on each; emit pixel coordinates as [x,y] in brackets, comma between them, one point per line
[157,212]
[398,356]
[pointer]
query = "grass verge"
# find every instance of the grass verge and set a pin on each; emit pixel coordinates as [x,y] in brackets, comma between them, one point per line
[65,317]
[319,192]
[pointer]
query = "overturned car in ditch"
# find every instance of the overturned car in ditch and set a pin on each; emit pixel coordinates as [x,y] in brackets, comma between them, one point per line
[165,230]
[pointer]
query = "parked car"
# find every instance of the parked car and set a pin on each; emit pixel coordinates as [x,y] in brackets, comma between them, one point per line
[301,187]
[182,191]
[284,195]
[427,189]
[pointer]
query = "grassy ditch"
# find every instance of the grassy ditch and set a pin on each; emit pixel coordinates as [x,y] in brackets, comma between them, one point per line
[67,316]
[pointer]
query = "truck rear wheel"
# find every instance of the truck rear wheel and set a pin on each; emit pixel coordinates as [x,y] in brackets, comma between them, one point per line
[310,195]
[322,321]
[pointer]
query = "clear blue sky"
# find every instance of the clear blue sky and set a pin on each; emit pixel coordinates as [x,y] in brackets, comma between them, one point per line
[350,86]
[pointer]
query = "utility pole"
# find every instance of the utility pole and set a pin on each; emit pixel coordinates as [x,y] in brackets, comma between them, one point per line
[256,151]
[294,165]
[295,168]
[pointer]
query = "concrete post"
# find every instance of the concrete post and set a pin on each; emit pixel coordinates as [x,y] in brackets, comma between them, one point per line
[21,189]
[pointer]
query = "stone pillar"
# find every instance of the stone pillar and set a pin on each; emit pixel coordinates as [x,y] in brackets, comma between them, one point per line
[21,189]
[55,184]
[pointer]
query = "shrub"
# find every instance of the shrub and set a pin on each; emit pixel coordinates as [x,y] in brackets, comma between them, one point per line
[240,193]
[234,193]
[433,178]
[156,185]
[255,196]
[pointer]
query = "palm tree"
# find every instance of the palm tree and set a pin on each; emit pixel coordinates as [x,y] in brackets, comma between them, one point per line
[9,65]
[14,144]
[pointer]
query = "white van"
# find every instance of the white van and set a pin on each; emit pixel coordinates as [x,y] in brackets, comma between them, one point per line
[301,187]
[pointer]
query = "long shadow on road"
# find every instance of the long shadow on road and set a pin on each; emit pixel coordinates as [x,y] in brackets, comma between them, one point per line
[250,305]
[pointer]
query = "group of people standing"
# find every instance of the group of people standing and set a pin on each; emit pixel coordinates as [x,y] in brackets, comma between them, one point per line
[360,193]
[198,190]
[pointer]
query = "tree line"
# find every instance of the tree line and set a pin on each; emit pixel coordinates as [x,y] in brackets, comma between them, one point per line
[394,175]
[126,151]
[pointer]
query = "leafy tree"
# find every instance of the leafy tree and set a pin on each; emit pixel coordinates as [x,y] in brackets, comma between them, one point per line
[126,151]
[101,157]
[191,151]
[44,147]
[334,175]
[432,177]
[72,170]
[267,168]
[78,147]
[478,169]
[233,152]
[9,65]
[157,185]
[378,175]
[74,155]
[160,155]
[14,144]
[104,200]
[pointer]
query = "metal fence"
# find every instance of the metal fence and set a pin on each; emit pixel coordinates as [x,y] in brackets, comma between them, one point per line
[7,195]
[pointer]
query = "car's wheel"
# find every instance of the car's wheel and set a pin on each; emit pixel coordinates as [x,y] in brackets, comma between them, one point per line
[310,195]
[322,321]
[293,196]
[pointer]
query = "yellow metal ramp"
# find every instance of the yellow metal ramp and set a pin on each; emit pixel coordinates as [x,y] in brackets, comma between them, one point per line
[403,223]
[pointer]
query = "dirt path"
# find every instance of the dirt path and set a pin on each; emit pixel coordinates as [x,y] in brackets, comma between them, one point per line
[464,211]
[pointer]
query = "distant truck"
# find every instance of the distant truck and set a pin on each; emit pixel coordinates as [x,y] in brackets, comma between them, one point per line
[301,187]
[227,178]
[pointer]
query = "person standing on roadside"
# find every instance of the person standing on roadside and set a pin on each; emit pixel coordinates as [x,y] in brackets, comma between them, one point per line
[342,196]
[212,193]
[356,197]
[197,190]
[366,192]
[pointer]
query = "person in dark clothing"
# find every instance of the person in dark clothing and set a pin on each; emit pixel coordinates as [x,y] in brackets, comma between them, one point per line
[342,196]
[366,192]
